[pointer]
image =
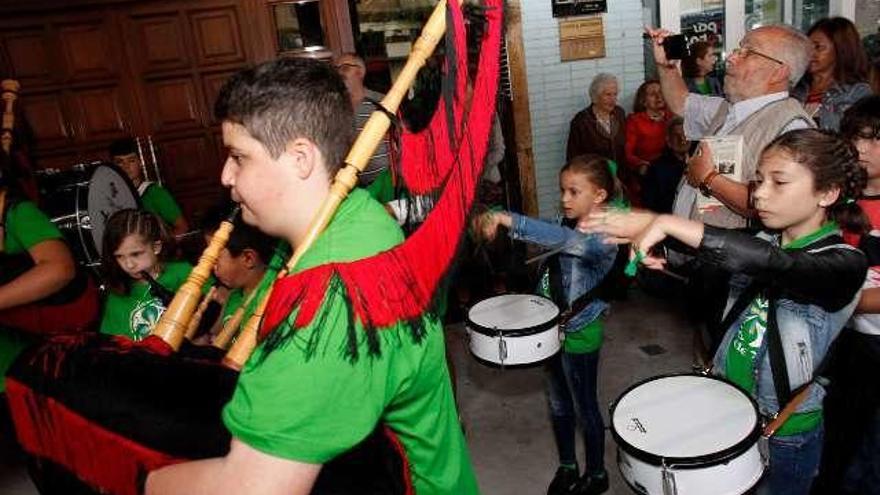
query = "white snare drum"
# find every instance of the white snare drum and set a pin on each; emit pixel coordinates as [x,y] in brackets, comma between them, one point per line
[687,435]
[514,329]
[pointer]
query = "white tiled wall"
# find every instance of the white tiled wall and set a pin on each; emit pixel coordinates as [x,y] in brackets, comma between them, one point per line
[557,90]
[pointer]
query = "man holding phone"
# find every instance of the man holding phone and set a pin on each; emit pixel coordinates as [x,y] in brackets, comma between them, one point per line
[757,108]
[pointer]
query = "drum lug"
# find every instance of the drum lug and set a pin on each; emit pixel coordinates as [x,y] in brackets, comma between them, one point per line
[764,449]
[502,348]
[86,222]
[668,475]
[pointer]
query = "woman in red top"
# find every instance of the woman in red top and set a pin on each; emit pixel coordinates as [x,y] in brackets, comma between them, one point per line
[645,133]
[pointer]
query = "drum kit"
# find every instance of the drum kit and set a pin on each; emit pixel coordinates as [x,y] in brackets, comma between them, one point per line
[676,434]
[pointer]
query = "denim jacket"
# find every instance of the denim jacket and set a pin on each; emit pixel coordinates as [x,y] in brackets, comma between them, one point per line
[584,261]
[835,101]
[818,288]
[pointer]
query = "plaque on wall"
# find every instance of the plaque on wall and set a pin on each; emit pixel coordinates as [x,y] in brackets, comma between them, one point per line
[568,8]
[581,39]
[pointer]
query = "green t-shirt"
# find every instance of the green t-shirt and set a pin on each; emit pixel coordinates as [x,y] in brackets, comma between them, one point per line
[741,364]
[703,87]
[581,341]
[312,407]
[26,226]
[156,199]
[382,187]
[135,315]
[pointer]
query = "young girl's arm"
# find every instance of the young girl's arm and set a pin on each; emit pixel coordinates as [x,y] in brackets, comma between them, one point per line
[545,234]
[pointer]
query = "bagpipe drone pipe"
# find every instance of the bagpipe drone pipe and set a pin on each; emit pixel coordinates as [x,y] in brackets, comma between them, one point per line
[97,414]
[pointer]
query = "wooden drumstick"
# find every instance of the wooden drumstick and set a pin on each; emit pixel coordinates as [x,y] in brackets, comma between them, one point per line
[10,89]
[173,324]
[361,151]
[787,411]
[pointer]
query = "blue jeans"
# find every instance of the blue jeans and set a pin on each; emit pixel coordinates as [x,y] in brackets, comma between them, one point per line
[794,462]
[571,379]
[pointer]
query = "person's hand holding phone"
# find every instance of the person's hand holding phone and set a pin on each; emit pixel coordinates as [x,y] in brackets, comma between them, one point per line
[657,37]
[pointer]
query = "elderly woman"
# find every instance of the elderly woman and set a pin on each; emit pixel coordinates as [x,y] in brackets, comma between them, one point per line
[838,72]
[599,128]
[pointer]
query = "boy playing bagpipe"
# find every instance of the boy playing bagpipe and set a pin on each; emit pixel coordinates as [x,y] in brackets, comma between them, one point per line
[309,393]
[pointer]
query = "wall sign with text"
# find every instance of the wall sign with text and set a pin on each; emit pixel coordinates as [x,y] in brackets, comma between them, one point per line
[568,8]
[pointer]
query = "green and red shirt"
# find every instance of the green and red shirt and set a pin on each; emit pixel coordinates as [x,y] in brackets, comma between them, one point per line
[306,401]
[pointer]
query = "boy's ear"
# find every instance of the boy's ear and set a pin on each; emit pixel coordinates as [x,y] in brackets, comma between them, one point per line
[305,156]
[157,247]
[250,258]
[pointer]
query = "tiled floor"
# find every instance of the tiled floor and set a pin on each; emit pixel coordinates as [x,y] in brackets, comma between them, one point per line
[505,411]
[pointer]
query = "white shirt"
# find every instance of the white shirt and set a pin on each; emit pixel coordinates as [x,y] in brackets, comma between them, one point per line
[700,110]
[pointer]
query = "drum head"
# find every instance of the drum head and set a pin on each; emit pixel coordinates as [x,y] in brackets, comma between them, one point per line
[513,314]
[684,417]
[109,191]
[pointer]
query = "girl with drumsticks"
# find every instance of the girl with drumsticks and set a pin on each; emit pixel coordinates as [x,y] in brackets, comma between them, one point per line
[573,279]
[793,286]
[135,250]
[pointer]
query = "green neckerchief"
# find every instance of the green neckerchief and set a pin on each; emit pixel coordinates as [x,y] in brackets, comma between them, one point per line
[812,237]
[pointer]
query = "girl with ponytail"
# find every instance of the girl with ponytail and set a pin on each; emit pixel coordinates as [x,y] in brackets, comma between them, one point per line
[578,279]
[793,286]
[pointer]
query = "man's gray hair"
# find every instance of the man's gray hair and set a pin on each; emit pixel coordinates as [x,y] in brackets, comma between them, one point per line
[600,80]
[792,47]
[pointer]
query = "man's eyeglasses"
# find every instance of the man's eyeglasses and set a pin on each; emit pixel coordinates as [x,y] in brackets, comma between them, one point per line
[746,51]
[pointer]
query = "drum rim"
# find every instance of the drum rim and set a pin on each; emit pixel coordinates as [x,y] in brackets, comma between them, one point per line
[513,332]
[694,462]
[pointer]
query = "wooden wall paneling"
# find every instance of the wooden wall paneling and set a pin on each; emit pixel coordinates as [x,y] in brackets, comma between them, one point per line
[211,84]
[27,55]
[103,113]
[47,118]
[217,36]
[174,104]
[259,34]
[522,119]
[87,51]
[192,170]
[336,21]
[158,41]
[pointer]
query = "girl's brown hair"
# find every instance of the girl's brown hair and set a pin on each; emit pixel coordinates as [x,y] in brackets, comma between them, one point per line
[599,172]
[834,162]
[119,226]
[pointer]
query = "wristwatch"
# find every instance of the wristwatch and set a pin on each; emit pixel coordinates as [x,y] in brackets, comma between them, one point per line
[706,184]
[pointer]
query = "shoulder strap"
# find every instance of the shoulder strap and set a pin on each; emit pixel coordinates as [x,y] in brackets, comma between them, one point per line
[777,356]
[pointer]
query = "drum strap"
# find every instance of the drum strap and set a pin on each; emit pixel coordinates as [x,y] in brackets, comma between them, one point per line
[777,356]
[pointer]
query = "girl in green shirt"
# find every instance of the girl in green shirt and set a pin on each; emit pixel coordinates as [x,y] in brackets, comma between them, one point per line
[136,243]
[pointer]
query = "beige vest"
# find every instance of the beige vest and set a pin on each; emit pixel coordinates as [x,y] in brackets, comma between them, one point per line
[758,129]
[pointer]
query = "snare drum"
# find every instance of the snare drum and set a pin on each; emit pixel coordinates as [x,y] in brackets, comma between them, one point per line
[514,329]
[80,200]
[687,435]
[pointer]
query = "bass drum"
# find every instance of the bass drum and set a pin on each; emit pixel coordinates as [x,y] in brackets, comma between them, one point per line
[80,200]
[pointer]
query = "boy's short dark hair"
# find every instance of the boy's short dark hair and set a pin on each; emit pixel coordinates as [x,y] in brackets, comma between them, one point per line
[862,120]
[672,124]
[124,146]
[289,98]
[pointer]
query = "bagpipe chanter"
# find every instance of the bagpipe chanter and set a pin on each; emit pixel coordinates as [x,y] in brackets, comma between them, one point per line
[96,414]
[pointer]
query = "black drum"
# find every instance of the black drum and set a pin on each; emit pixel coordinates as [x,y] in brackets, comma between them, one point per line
[80,200]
